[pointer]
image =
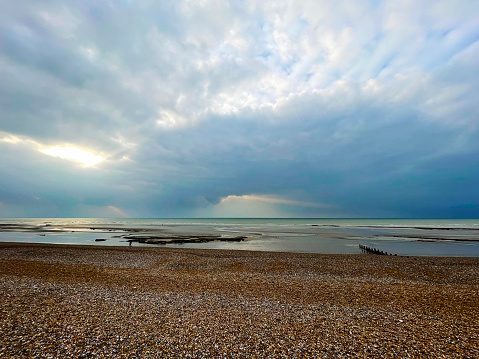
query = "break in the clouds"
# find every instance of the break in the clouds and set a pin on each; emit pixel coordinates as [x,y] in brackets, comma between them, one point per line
[239,108]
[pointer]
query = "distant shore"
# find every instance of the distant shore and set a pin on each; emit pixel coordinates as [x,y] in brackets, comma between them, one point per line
[63,301]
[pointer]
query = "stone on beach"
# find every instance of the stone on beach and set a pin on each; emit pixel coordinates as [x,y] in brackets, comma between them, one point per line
[74,301]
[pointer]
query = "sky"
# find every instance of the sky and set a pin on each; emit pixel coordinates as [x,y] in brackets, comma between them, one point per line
[214,108]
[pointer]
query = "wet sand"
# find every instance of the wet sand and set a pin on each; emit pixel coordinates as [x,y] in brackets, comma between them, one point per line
[85,301]
[434,238]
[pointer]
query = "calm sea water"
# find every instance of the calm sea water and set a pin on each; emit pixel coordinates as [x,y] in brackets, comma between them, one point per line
[424,237]
[440,223]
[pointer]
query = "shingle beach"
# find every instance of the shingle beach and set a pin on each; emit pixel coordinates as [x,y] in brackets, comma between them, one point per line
[60,301]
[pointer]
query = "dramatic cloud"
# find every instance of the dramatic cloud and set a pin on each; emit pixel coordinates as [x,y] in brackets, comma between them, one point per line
[239,108]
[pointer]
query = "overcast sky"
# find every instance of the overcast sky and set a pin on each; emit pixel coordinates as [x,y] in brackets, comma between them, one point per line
[239,108]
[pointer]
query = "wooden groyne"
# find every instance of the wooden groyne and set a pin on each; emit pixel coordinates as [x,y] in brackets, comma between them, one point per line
[371,250]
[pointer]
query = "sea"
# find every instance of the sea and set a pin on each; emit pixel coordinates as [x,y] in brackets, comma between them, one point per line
[405,237]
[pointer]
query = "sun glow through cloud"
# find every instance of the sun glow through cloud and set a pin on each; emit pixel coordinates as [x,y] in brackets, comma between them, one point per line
[87,159]
[118,211]
[271,199]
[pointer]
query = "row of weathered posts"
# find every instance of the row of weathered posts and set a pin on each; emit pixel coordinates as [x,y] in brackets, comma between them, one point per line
[371,250]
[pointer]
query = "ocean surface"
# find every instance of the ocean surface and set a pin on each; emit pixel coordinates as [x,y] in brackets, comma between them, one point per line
[420,237]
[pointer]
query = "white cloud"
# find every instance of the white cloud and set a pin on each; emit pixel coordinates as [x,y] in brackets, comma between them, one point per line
[10,139]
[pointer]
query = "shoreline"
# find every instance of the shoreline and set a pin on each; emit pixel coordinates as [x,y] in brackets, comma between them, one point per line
[443,240]
[73,300]
[178,246]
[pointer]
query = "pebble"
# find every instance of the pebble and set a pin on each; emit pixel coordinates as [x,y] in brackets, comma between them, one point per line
[67,301]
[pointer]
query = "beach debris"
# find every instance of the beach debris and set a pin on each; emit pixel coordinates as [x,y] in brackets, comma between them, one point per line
[372,250]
